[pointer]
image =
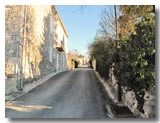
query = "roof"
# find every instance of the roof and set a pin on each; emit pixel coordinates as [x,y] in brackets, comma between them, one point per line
[81,56]
[56,13]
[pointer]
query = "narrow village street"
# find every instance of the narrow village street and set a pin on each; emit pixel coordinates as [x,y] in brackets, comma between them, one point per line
[90,62]
[70,94]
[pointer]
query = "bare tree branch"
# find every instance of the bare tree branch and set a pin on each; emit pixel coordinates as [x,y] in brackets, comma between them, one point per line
[107,23]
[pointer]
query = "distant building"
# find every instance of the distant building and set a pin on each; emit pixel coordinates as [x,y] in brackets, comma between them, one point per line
[72,59]
[35,43]
[75,58]
[82,60]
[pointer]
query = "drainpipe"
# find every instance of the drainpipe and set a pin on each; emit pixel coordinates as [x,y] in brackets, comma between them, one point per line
[23,47]
[17,57]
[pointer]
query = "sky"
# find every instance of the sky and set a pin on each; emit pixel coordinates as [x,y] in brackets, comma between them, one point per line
[81,24]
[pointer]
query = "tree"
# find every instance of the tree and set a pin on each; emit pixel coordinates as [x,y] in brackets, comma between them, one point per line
[100,50]
[134,53]
[130,15]
[107,23]
[134,66]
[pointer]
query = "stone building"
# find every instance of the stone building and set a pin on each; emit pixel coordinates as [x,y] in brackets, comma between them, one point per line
[83,59]
[72,60]
[35,44]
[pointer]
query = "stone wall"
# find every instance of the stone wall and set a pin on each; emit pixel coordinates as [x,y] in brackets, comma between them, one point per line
[32,33]
[129,99]
[13,24]
[13,27]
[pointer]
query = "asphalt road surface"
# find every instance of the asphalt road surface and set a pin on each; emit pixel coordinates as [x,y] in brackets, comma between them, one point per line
[70,94]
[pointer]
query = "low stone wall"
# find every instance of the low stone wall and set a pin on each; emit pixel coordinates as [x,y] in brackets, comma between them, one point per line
[10,86]
[129,99]
[150,104]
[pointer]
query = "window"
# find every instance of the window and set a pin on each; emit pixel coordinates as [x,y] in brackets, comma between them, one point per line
[57,63]
[50,54]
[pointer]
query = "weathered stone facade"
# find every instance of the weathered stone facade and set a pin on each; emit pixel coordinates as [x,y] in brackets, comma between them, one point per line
[35,43]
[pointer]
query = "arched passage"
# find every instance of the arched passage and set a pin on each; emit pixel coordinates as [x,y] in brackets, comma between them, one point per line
[74,63]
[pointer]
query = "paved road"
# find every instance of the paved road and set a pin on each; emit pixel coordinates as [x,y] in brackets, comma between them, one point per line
[70,94]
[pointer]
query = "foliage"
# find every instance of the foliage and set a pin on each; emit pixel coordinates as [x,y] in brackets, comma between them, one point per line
[107,23]
[101,51]
[134,67]
[129,16]
[133,55]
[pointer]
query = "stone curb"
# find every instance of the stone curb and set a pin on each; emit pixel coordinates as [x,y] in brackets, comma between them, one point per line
[113,95]
[29,87]
[107,87]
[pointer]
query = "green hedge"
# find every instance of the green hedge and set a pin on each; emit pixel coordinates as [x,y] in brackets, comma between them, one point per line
[133,58]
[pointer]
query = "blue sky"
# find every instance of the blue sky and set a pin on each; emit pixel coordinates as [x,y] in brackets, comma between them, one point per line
[80,24]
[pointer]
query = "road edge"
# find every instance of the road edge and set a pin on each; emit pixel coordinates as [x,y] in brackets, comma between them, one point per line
[107,87]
